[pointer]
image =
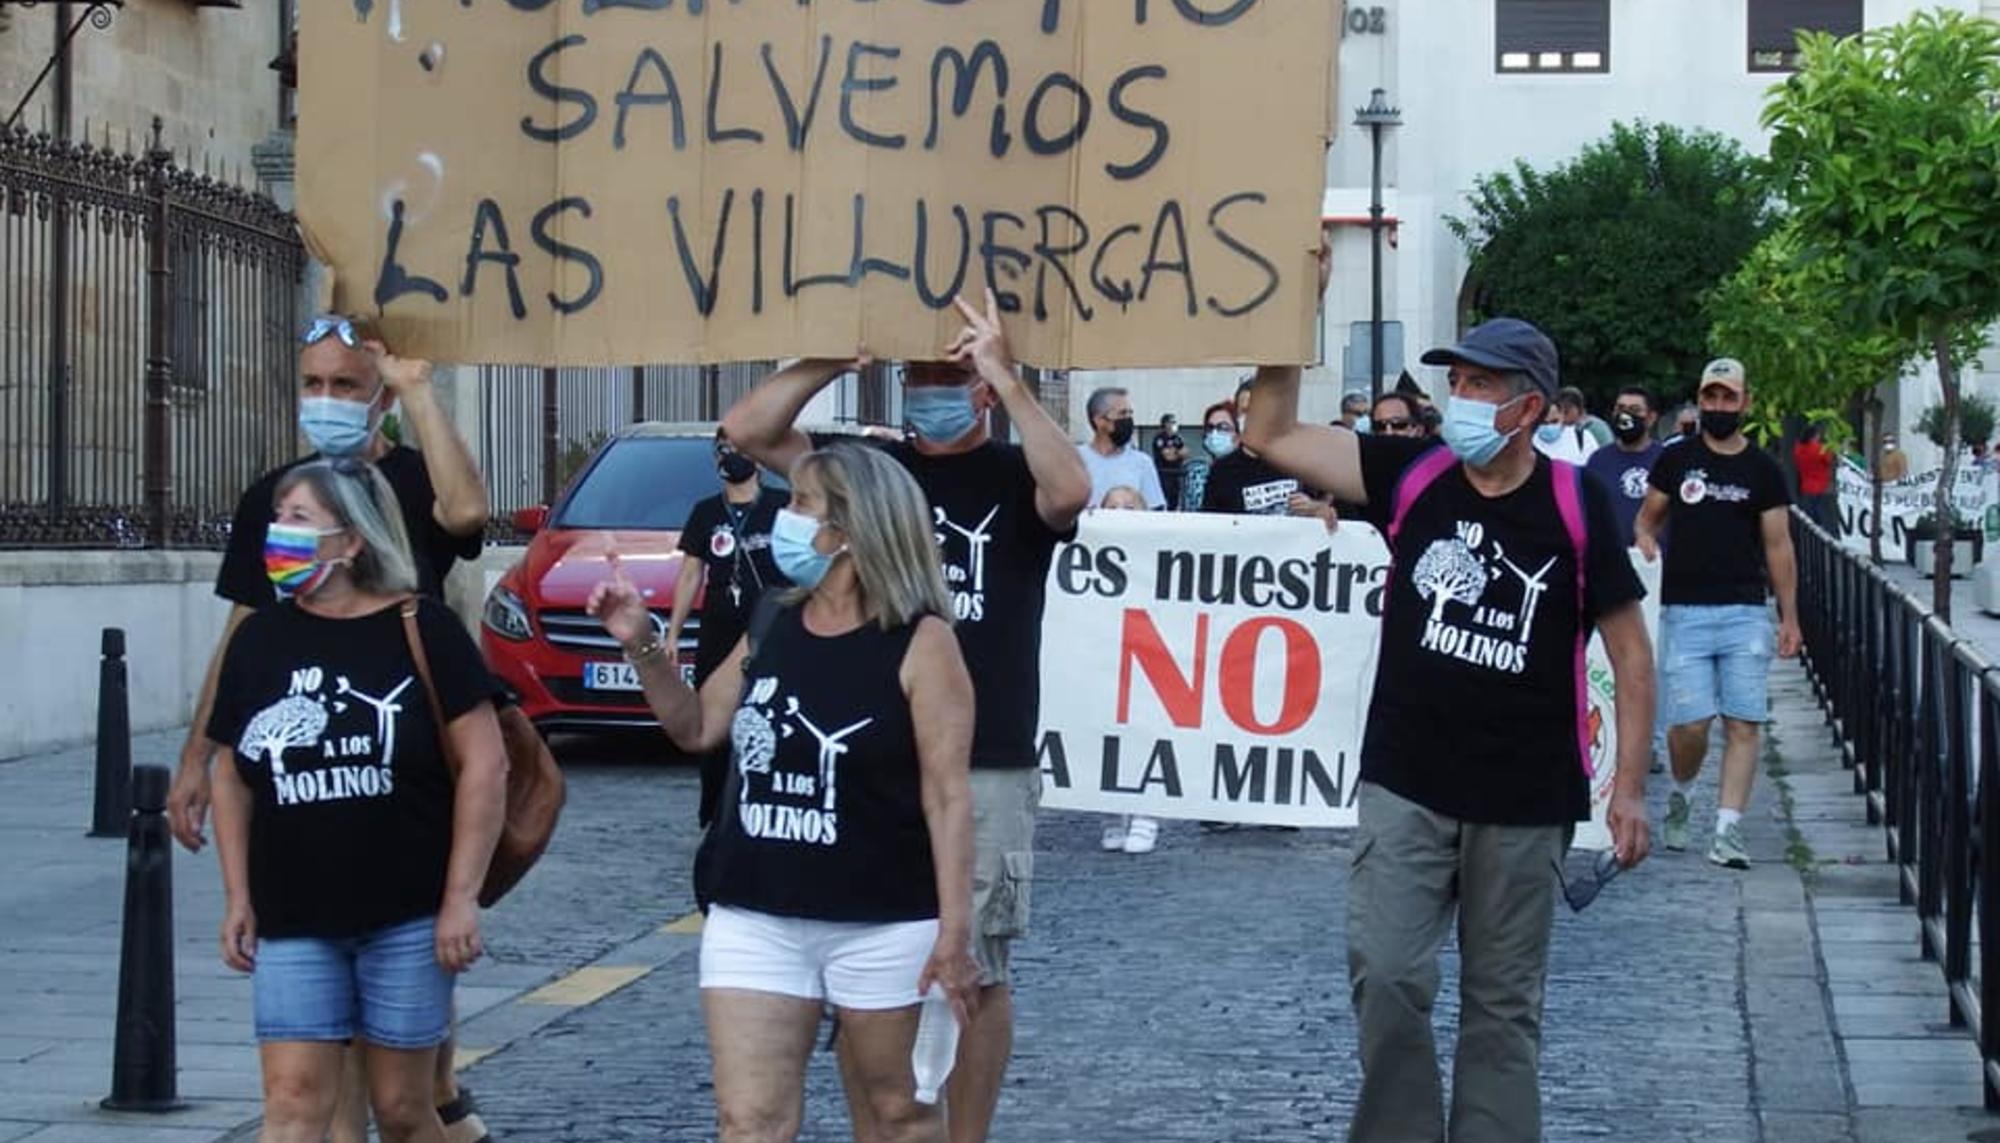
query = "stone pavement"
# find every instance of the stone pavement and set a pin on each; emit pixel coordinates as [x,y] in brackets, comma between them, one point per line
[1198,994]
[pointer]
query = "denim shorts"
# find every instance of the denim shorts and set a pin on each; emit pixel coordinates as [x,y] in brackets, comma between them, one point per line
[1716,660]
[385,987]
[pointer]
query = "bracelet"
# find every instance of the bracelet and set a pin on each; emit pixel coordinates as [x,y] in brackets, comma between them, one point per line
[646,652]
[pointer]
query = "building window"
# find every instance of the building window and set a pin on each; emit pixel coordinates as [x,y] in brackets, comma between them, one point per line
[1553,35]
[287,63]
[1775,25]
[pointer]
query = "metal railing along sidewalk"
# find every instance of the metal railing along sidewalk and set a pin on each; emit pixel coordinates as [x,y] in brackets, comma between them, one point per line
[1916,710]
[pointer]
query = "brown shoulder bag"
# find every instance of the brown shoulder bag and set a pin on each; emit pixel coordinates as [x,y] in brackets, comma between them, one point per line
[535,789]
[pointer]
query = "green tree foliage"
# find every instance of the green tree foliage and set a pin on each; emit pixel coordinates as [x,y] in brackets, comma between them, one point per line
[1887,146]
[1780,315]
[1611,252]
[1975,421]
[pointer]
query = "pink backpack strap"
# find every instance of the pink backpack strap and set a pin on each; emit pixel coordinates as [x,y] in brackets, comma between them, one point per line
[1414,482]
[1568,482]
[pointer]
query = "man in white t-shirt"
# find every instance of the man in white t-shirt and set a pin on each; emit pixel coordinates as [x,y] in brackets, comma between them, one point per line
[1109,456]
[1563,437]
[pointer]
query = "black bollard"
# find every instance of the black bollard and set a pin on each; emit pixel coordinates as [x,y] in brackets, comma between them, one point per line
[142,1067]
[113,803]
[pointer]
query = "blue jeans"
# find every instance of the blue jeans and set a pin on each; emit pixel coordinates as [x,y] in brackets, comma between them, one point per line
[1717,660]
[386,987]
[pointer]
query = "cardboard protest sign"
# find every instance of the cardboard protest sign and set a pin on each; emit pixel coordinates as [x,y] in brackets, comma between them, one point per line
[1219,668]
[579,182]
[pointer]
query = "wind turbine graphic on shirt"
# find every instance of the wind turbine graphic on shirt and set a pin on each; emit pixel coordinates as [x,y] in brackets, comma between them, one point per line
[976,539]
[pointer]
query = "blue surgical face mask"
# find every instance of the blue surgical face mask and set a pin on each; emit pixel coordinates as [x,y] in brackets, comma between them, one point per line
[1468,430]
[1364,424]
[792,536]
[1548,434]
[940,414]
[335,427]
[1218,443]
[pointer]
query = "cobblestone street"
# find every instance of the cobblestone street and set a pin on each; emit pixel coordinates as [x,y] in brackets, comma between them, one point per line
[1199,994]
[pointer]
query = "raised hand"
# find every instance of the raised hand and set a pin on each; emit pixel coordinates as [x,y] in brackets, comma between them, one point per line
[982,344]
[617,604]
[402,375]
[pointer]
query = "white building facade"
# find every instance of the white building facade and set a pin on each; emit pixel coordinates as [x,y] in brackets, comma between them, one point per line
[1481,84]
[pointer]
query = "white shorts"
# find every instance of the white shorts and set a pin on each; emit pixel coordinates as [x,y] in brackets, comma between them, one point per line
[860,966]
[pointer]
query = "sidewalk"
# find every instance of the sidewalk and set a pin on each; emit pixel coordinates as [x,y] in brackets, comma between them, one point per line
[1908,1076]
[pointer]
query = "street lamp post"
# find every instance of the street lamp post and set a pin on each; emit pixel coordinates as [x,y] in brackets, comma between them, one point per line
[1378,117]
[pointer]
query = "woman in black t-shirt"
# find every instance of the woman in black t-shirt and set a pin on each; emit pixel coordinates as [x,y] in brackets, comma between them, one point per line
[840,864]
[351,856]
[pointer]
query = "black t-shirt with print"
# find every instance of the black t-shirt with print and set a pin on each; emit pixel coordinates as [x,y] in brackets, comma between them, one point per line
[734,540]
[1474,714]
[1715,505]
[242,580]
[996,550]
[1246,485]
[825,819]
[351,818]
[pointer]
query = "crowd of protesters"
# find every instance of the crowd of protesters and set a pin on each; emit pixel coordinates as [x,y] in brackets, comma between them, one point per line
[865,697]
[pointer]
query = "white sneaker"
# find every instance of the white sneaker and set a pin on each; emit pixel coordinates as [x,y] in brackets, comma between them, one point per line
[1143,836]
[1114,834]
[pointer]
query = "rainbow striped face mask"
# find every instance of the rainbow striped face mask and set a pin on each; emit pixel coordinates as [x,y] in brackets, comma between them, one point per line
[291,559]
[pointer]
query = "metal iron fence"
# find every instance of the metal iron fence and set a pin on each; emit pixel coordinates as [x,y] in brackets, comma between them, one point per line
[1916,709]
[146,345]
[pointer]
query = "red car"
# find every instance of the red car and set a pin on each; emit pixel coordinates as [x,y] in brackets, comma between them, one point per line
[636,492]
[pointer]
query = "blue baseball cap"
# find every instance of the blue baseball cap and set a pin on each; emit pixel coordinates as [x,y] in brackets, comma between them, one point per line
[1506,345]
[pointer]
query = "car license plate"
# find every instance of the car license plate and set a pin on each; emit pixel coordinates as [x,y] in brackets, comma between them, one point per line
[622,676]
[610,677]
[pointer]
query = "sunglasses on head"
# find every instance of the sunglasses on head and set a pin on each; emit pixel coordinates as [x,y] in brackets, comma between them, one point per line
[1604,868]
[330,326]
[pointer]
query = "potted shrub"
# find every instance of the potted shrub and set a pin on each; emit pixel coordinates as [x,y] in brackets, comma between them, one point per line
[1976,415]
[1968,541]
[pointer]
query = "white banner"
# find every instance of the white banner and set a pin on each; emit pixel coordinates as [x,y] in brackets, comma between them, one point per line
[1219,668]
[1975,496]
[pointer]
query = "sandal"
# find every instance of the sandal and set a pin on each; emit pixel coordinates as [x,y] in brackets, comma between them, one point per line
[461,1120]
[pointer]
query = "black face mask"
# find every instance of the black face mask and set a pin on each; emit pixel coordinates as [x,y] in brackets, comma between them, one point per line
[1627,427]
[1121,431]
[1718,425]
[736,468]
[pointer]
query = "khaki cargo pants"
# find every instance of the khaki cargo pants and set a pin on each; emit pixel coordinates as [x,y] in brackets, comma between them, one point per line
[1413,870]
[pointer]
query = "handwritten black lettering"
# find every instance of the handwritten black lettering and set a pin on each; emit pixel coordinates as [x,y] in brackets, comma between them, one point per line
[488,215]
[557,248]
[669,94]
[1169,224]
[1031,121]
[1250,255]
[757,251]
[936,299]
[966,72]
[798,125]
[718,134]
[548,89]
[704,290]
[994,253]
[1125,113]
[1119,292]
[853,84]
[1053,257]
[792,283]
[1194,13]
[395,281]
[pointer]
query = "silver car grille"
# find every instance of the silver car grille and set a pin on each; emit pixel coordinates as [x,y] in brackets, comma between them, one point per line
[573,630]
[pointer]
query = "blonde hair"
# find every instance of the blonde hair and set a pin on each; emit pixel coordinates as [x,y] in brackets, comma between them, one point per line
[876,503]
[362,501]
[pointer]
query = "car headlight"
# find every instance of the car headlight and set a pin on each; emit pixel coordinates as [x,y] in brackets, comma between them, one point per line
[505,616]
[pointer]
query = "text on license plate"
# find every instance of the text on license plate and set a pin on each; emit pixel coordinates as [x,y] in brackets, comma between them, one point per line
[622,676]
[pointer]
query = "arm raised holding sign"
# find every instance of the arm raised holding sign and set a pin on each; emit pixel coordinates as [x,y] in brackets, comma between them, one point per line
[1320,456]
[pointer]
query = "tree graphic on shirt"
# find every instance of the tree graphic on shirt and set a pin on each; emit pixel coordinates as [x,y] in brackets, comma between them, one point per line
[289,722]
[1449,571]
